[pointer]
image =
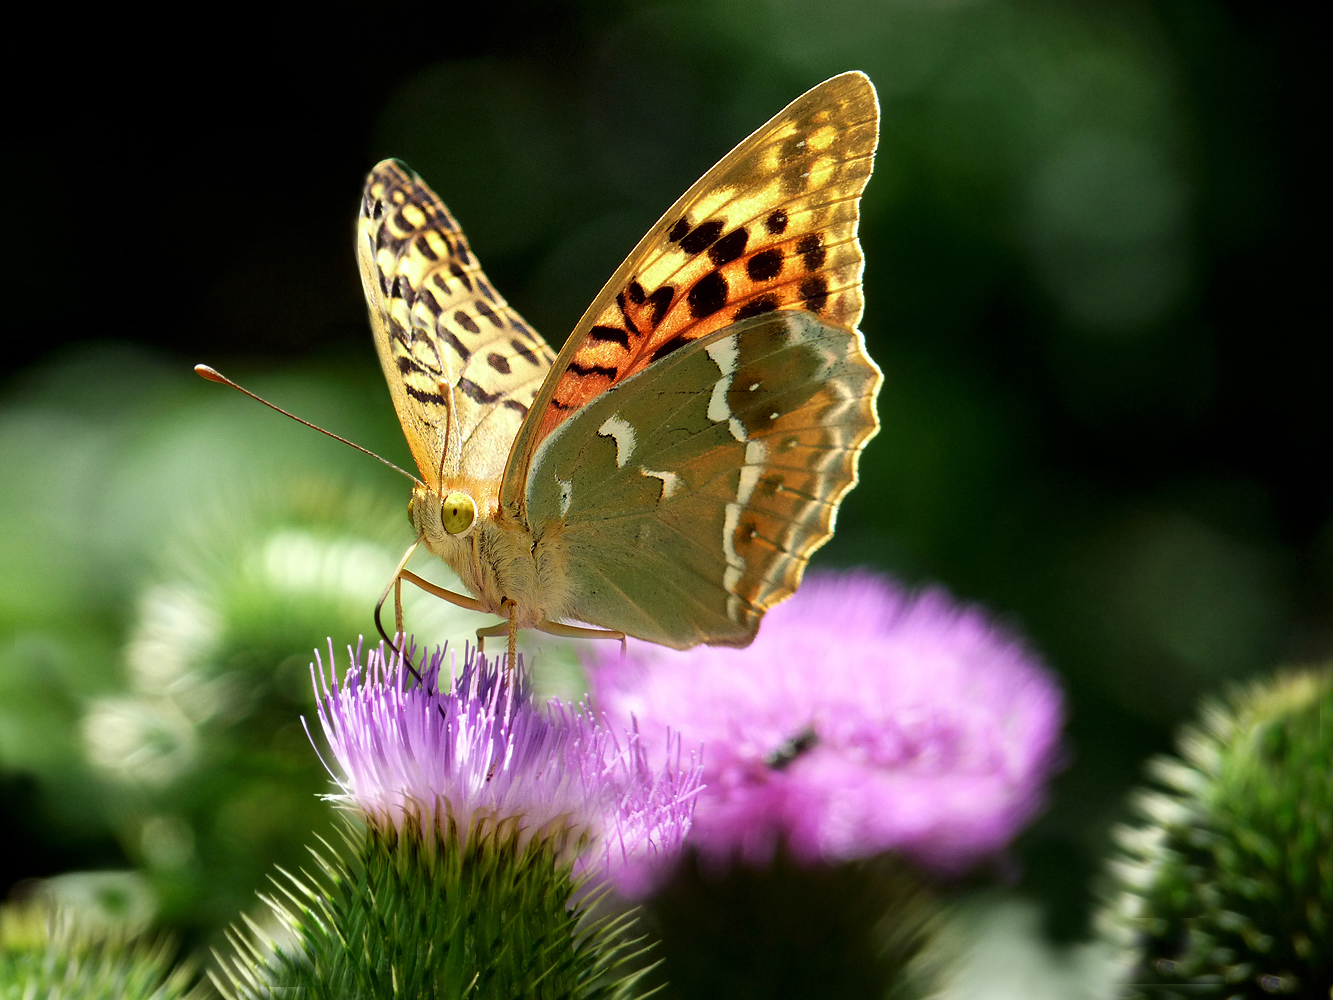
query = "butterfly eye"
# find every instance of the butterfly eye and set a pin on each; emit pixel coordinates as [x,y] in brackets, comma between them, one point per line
[457,513]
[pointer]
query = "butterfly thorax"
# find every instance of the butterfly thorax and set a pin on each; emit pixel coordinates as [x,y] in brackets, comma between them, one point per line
[495,555]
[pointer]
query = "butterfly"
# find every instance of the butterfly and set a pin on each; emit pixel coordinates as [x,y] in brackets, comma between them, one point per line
[668,474]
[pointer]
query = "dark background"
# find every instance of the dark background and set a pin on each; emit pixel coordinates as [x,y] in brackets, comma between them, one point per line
[1093,281]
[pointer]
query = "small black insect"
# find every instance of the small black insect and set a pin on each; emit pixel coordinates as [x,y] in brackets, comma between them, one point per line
[781,758]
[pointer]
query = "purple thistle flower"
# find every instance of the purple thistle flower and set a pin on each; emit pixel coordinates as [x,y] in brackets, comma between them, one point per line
[472,756]
[862,719]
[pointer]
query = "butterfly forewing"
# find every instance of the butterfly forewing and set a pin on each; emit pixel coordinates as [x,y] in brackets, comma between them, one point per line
[691,495]
[462,366]
[771,227]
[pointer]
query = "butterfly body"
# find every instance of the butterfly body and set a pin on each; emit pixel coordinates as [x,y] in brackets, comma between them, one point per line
[669,474]
[497,558]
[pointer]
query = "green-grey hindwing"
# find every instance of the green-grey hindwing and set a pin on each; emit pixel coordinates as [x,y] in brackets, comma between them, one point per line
[692,494]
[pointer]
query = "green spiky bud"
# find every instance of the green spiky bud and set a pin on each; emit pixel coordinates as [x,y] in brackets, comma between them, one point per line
[399,912]
[1226,886]
[48,952]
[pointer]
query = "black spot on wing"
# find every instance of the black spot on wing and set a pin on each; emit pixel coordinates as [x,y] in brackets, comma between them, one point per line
[499,362]
[604,370]
[702,236]
[776,223]
[457,271]
[814,290]
[423,397]
[731,246]
[636,293]
[678,231]
[791,149]
[764,265]
[450,338]
[476,393]
[609,334]
[487,312]
[424,248]
[674,344]
[466,322]
[514,404]
[659,302]
[708,295]
[400,222]
[624,314]
[523,351]
[757,306]
[811,248]
[428,300]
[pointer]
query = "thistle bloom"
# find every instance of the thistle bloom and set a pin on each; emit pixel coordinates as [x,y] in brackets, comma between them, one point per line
[469,756]
[862,719]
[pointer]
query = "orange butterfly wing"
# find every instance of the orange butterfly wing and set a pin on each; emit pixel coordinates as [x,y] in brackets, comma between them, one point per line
[772,226]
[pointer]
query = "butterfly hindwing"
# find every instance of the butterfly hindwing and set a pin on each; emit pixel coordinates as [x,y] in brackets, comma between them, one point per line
[771,227]
[462,366]
[690,495]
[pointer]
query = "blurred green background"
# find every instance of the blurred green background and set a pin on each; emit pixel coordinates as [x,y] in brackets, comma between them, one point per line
[1090,281]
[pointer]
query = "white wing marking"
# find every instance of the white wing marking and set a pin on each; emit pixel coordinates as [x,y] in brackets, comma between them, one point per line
[669,481]
[617,427]
[566,494]
[756,454]
[725,356]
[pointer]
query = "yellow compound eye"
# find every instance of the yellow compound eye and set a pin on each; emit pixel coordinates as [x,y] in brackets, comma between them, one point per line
[457,513]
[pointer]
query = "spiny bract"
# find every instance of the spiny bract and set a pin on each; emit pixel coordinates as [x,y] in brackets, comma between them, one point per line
[1226,887]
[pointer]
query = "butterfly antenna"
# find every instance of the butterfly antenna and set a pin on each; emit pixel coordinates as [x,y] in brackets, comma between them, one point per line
[203,371]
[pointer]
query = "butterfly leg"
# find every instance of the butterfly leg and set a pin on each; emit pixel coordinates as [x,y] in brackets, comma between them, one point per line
[513,637]
[579,632]
[509,628]
[491,632]
[471,603]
